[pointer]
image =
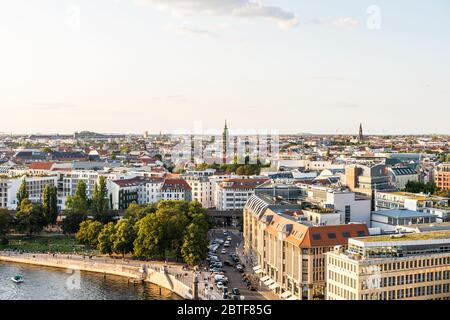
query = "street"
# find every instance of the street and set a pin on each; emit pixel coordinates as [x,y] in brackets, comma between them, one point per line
[234,277]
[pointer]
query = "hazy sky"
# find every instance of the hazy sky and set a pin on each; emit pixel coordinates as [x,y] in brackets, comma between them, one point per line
[318,66]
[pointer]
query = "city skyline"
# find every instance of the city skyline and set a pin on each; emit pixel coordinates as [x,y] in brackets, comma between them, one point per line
[135,66]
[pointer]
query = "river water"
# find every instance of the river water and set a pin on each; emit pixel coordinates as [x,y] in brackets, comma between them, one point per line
[43,283]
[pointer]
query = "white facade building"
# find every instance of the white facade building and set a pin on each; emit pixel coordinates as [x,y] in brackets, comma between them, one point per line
[35,187]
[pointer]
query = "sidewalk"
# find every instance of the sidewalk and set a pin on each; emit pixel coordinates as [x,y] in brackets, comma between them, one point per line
[249,264]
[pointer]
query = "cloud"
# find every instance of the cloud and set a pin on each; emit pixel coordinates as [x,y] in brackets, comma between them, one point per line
[199,33]
[342,22]
[346,22]
[232,8]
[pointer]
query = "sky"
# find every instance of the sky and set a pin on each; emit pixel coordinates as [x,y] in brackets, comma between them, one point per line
[130,66]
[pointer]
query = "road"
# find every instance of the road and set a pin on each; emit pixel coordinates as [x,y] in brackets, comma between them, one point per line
[234,277]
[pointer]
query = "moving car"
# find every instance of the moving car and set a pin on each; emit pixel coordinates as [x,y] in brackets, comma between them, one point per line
[236,292]
[226,244]
[229,238]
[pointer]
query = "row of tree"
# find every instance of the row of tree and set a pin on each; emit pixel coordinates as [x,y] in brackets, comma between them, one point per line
[170,229]
[420,187]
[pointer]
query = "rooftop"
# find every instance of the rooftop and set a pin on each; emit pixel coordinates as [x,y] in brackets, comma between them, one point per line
[402,213]
[433,235]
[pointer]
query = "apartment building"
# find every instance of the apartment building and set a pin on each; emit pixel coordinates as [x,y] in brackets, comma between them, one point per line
[289,252]
[437,206]
[175,189]
[71,179]
[412,266]
[232,194]
[202,189]
[139,190]
[9,186]
[442,176]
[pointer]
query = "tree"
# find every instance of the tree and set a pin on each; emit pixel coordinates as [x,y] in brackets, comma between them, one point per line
[30,218]
[89,232]
[195,244]
[72,221]
[149,234]
[5,223]
[420,187]
[106,239]
[123,237]
[79,202]
[100,196]
[50,204]
[22,193]
[136,212]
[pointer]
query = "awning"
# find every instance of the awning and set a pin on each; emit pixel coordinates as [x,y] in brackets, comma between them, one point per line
[273,286]
[257,268]
[292,298]
[286,295]
[258,271]
[265,278]
[268,282]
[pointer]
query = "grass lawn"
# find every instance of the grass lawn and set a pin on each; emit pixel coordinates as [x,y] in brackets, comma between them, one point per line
[46,243]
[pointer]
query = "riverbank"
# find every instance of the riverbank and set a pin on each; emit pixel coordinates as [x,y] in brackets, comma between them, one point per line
[171,277]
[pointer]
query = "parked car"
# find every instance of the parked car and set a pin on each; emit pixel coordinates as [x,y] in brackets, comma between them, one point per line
[229,238]
[224,251]
[226,244]
[220,285]
[236,291]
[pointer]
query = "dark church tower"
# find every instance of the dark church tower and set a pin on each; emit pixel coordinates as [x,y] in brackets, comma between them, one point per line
[224,143]
[361,137]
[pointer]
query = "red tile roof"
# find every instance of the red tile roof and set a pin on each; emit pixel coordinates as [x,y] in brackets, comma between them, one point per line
[41,165]
[176,184]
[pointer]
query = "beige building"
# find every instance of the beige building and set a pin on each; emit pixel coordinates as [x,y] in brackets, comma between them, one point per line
[289,251]
[413,266]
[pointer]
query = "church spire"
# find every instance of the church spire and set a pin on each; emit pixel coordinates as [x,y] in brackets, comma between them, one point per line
[225,143]
[361,137]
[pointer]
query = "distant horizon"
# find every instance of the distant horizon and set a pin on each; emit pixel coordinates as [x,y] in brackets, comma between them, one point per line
[231,133]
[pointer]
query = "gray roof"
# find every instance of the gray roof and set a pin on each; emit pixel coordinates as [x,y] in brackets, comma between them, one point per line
[403,171]
[402,213]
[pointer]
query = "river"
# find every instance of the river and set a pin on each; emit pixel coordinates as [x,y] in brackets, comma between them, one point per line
[43,283]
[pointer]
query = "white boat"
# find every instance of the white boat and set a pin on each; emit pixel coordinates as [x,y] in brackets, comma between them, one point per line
[17,279]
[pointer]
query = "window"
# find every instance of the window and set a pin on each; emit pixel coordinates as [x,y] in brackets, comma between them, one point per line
[346,234]
[332,235]
[316,236]
[360,233]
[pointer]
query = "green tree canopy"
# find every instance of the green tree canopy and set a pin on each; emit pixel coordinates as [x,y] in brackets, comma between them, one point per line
[30,218]
[136,212]
[106,239]
[195,243]
[5,222]
[50,204]
[22,193]
[123,237]
[71,222]
[89,232]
